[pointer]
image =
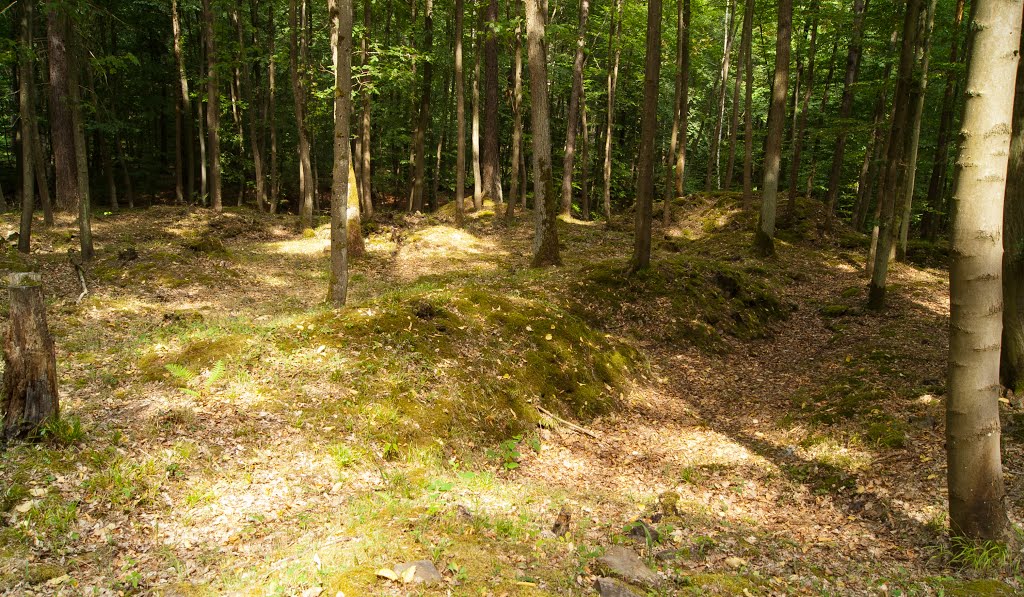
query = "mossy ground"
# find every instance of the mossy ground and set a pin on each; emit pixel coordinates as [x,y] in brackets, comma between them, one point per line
[226,432]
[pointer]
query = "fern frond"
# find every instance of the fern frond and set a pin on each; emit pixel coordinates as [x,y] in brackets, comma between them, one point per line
[180,373]
[215,373]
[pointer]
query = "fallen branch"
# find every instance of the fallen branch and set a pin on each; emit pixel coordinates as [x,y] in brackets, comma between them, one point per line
[568,424]
[81,274]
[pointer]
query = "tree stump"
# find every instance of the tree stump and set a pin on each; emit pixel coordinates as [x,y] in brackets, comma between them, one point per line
[30,364]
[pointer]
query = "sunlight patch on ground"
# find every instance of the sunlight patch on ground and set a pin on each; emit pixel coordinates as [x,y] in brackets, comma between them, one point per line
[301,246]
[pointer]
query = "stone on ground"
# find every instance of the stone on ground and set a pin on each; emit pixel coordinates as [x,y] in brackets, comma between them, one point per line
[610,587]
[625,564]
[425,573]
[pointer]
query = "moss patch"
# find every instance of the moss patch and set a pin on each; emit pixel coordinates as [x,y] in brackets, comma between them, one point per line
[683,298]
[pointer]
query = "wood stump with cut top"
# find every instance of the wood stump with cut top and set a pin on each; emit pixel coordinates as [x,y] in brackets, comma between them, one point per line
[30,364]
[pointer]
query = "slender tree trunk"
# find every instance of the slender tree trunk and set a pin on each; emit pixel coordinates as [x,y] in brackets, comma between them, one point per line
[186,172]
[896,164]
[977,499]
[872,155]
[940,163]
[490,165]
[517,115]
[248,89]
[545,203]
[917,96]
[212,108]
[424,108]
[748,108]
[82,165]
[343,174]
[275,182]
[648,128]
[204,185]
[735,120]
[853,56]
[712,181]
[680,110]
[1011,370]
[25,102]
[801,120]
[478,187]
[584,164]
[307,185]
[460,117]
[614,47]
[365,172]
[764,240]
[575,99]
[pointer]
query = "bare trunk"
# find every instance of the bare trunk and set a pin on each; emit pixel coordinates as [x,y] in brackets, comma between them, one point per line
[30,364]
[648,128]
[82,166]
[748,107]
[517,115]
[977,498]
[460,117]
[478,188]
[61,121]
[801,119]
[419,138]
[212,108]
[712,181]
[680,110]
[614,47]
[365,172]
[764,241]
[545,203]
[307,185]
[575,98]
[25,101]
[490,165]
[343,178]
[186,174]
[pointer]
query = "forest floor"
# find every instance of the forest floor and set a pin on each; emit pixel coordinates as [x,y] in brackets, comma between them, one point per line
[744,425]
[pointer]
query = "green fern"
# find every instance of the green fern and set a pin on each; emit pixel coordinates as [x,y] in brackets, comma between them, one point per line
[215,373]
[182,374]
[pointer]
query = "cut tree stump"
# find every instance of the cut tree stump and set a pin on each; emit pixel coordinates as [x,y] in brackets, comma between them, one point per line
[30,364]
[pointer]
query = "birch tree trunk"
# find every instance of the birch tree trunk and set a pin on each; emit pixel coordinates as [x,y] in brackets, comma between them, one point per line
[977,500]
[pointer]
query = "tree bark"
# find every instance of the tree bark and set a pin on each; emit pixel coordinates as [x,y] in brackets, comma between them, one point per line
[712,181]
[185,146]
[30,365]
[212,109]
[801,119]
[275,183]
[460,117]
[82,165]
[735,119]
[575,98]
[490,166]
[545,203]
[853,56]
[517,115]
[977,499]
[748,108]
[478,187]
[419,138]
[680,110]
[25,102]
[614,47]
[61,123]
[1011,370]
[343,175]
[365,172]
[648,128]
[307,186]
[764,239]
[896,156]
[917,97]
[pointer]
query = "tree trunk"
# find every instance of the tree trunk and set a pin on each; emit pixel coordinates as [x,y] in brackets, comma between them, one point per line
[517,115]
[25,102]
[275,182]
[584,164]
[185,106]
[801,119]
[30,364]
[212,108]
[1011,370]
[545,203]
[419,139]
[478,187]
[365,172]
[977,500]
[248,89]
[614,47]
[648,128]
[490,166]
[575,98]
[460,117]
[896,156]
[853,56]
[735,120]
[82,166]
[917,96]
[680,109]
[748,108]
[204,184]
[764,240]
[62,129]
[712,181]
[343,175]
[937,180]
[307,186]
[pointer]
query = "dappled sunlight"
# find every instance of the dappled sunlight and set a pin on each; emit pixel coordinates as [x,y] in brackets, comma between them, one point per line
[310,246]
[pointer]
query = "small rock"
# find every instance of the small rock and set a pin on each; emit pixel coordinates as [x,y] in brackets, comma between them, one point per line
[13,236]
[425,572]
[735,562]
[610,587]
[641,531]
[623,563]
[924,421]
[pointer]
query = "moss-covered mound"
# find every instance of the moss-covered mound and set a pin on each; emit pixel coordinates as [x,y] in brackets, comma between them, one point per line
[430,364]
[683,299]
